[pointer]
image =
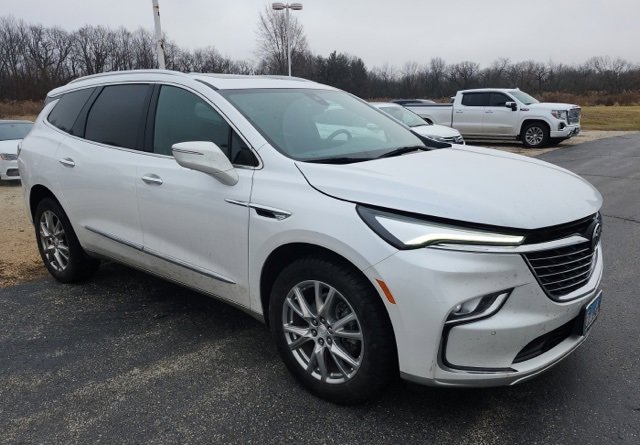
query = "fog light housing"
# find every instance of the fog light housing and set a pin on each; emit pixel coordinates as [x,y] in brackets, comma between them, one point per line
[477,308]
[561,126]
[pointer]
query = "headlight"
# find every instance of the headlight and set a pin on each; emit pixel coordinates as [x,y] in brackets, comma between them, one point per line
[559,114]
[405,232]
[8,156]
[459,140]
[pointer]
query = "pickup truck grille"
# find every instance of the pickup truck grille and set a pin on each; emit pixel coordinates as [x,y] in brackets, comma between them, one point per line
[573,117]
[453,140]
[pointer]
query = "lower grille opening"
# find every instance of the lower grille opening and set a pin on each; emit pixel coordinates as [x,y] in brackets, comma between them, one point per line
[13,172]
[546,342]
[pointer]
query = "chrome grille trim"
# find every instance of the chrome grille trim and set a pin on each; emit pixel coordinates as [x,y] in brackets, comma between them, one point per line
[573,116]
[558,273]
[561,271]
[572,261]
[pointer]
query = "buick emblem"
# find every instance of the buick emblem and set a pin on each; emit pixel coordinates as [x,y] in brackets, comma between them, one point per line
[595,236]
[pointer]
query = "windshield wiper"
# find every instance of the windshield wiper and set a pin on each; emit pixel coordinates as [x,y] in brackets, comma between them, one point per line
[401,151]
[336,160]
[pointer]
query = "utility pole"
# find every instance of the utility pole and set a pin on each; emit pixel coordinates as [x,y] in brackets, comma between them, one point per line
[159,39]
[288,42]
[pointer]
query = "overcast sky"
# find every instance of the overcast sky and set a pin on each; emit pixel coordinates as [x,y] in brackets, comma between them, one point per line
[567,31]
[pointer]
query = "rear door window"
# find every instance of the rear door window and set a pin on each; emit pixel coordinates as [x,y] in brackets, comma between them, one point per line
[117,117]
[66,111]
[475,99]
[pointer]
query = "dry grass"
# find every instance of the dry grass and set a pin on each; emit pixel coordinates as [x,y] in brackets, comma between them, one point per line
[25,109]
[611,118]
[592,99]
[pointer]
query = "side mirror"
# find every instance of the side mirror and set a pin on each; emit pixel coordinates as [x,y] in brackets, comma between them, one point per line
[512,105]
[206,157]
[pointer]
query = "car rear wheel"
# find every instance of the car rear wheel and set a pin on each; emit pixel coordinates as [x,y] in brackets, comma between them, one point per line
[535,135]
[59,248]
[332,331]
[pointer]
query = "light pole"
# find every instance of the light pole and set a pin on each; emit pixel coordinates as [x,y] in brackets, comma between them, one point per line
[159,40]
[279,7]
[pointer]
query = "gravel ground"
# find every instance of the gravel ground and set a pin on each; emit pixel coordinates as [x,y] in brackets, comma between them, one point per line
[19,257]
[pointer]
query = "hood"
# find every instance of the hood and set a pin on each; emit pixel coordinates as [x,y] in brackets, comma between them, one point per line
[469,184]
[436,130]
[10,146]
[551,106]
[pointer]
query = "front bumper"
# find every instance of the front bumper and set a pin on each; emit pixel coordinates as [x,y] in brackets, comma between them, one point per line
[9,170]
[567,131]
[482,352]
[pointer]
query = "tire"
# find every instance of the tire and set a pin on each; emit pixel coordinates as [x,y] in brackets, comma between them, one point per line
[312,336]
[59,248]
[535,135]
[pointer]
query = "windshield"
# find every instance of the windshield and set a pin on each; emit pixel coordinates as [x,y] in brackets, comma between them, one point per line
[524,97]
[320,125]
[405,116]
[14,130]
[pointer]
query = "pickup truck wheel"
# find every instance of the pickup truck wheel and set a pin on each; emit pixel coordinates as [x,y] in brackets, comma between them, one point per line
[59,247]
[535,135]
[332,331]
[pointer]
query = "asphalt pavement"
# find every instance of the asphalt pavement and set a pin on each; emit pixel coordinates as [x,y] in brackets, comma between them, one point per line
[128,358]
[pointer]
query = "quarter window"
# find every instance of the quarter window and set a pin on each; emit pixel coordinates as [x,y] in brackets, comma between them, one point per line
[66,111]
[117,116]
[182,116]
[475,99]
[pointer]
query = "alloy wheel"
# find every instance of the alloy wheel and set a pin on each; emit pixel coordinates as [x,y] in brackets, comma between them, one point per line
[322,331]
[54,241]
[534,136]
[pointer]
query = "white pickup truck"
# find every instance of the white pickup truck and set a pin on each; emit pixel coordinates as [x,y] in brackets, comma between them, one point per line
[494,113]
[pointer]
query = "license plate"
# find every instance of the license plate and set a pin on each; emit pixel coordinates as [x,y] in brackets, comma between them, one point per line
[591,312]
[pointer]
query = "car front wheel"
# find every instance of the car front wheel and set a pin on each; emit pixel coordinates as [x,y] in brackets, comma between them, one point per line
[332,330]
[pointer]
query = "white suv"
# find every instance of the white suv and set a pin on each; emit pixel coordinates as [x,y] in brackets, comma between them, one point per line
[366,252]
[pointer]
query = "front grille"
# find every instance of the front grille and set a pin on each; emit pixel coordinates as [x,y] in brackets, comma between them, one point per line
[561,271]
[573,117]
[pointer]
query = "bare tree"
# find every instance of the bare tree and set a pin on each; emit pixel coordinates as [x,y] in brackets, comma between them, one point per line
[272,38]
[464,74]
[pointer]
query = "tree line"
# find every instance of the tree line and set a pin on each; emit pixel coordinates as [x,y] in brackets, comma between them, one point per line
[35,58]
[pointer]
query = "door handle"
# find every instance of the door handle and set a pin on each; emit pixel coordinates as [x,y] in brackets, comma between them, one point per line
[459,111]
[152,179]
[67,162]
[489,112]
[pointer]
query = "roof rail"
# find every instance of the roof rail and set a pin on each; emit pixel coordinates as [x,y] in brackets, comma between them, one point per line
[276,76]
[112,73]
[241,76]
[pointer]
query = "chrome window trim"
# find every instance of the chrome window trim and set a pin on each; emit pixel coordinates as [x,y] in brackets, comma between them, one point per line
[167,258]
[133,150]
